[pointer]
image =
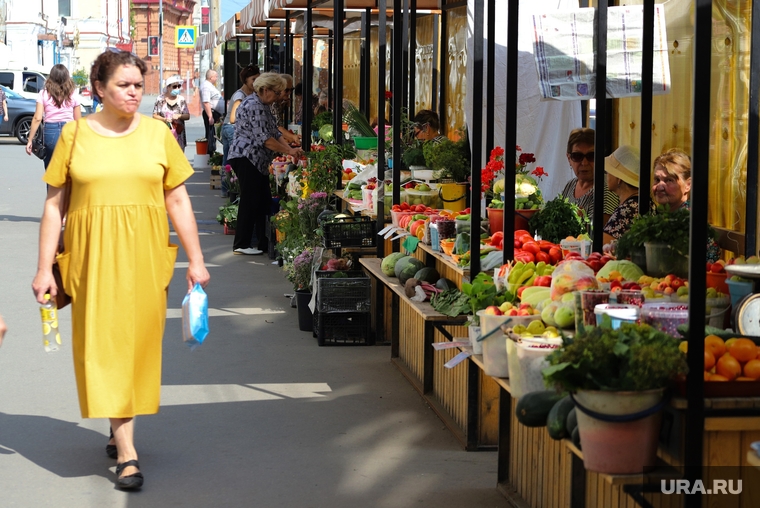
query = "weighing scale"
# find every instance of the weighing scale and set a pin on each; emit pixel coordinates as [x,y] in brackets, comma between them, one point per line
[747,311]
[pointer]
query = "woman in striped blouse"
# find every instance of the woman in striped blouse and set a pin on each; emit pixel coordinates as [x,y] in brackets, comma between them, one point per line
[580,190]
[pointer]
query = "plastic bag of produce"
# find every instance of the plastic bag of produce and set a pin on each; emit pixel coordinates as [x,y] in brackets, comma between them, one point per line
[572,276]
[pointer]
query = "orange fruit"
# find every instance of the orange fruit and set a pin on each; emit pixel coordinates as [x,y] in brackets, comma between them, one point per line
[709,360]
[728,367]
[743,350]
[752,369]
[729,342]
[718,377]
[716,345]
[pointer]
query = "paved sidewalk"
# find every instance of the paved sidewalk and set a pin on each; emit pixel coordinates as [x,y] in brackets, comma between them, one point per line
[259,416]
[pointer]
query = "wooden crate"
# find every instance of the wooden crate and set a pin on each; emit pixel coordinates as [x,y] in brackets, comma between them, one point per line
[216,182]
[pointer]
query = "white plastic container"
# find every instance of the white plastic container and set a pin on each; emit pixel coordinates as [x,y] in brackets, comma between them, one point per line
[526,361]
[494,353]
[473,332]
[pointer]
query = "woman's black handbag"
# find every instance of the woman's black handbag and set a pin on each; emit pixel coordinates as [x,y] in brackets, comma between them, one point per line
[38,144]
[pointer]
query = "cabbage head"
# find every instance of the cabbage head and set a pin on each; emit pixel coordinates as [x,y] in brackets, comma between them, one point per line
[627,269]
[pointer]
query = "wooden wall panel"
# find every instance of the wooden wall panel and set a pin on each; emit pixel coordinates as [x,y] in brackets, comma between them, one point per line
[454,65]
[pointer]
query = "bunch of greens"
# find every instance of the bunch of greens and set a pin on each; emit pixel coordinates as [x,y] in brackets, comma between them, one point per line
[324,168]
[558,219]
[451,302]
[662,226]
[631,358]
[449,159]
[323,118]
[483,293]
[357,121]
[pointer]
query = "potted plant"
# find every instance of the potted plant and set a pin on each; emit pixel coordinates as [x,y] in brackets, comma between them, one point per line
[663,237]
[558,219]
[299,272]
[450,160]
[617,378]
[528,197]
[227,216]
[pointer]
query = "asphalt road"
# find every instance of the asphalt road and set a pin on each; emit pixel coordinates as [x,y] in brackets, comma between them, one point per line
[259,416]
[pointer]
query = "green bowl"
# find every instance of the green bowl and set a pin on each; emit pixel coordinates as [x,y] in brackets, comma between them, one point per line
[365,143]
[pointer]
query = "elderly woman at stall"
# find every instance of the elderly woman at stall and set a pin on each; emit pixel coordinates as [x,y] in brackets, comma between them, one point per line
[622,169]
[256,140]
[171,108]
[580,190]
[671,186]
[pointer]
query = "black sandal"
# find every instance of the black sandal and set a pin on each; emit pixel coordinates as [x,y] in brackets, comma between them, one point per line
[133,481]
[111,448]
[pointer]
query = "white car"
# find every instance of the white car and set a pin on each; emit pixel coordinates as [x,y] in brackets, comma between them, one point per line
[27,83]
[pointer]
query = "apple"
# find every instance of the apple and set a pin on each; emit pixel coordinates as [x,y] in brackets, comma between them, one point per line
[676,284]
[524,312]
[547,315]
[595,264]
[512,312]
[753,260]
[504,307]
[605,259]
[717,268]
[493,310]
[524,305]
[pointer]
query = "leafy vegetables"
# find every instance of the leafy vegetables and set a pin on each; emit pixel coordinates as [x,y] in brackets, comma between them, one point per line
[357,121]
[558,219]
[451,302]
[631,358]
[662,226]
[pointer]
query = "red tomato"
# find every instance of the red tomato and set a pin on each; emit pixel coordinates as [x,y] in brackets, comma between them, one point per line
[555,253]
[518,244]
[497,238]
[531,247]
[521,232]
[525,257]
[543,256]
[526,238]
[405,206]
[546,245]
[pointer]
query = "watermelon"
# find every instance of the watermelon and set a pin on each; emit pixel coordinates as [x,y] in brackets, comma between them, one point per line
[427,274]
[389,263]
[406,267]
[443,284]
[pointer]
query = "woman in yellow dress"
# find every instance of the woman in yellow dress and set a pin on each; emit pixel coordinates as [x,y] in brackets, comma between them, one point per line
[125,172]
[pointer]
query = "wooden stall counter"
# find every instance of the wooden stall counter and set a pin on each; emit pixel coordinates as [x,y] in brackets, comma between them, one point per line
[463,397]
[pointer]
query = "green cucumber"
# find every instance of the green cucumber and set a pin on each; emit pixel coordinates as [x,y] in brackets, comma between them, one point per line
[533,408]
[555,422]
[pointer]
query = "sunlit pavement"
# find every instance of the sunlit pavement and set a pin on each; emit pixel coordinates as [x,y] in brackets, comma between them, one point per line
[258,416]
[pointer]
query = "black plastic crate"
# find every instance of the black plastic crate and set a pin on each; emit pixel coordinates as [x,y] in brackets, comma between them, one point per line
[351,293]
[350,232]
[342,329]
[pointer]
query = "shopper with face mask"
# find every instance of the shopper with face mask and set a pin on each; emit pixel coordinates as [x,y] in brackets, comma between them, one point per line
[171,107]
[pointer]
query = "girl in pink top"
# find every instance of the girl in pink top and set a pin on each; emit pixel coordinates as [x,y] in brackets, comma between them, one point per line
[58,104]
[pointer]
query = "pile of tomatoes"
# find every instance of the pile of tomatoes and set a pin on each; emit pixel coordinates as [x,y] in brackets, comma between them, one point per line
[527,249]
[732,360]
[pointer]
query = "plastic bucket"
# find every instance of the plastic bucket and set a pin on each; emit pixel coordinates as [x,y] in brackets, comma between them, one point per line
[522,217]
[526,361]
[473,333]
[663,260]
[453,196]
[738,290]
[619,436]
[365,143]
[201,147]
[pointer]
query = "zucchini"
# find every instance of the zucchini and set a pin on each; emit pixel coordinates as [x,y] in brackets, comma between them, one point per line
[533,408]
[555,422]
[576,437]
[571,423]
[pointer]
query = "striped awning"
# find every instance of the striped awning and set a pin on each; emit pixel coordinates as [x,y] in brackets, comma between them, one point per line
[206,42]
[254,14]
[226,31]
[288,4]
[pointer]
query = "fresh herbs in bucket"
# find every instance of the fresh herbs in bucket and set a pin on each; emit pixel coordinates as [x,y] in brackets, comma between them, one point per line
[558,219]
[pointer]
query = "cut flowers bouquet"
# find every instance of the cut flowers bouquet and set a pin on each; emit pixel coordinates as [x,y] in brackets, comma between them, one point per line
[231,179]
[527,193]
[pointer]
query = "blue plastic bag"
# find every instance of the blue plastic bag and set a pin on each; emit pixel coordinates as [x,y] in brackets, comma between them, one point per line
[195,317]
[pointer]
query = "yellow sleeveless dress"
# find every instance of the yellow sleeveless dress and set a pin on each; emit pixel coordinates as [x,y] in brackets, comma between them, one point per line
[118,262]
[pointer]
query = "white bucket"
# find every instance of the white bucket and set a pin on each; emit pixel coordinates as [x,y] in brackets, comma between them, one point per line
[200,161]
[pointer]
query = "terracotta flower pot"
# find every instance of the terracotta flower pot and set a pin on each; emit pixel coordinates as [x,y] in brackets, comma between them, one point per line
[201,147]
[496,219]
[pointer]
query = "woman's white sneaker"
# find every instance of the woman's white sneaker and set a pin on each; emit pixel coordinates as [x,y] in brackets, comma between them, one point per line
[249,252]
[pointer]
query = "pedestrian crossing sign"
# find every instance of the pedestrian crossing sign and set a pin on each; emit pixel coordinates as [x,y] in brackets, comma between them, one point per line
[184,36]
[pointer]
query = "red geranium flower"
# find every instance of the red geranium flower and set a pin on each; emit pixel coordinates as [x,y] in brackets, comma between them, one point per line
[388,95]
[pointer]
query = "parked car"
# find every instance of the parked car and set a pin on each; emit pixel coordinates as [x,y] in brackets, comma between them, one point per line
[20,113]
[25,82]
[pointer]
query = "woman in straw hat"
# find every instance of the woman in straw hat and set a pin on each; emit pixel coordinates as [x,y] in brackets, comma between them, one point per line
[622,169]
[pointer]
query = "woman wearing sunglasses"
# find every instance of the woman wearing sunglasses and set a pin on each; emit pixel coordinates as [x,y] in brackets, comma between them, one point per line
[171,107]
[580,190]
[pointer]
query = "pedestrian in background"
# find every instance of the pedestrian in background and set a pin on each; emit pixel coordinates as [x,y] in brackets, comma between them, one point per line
[213,108]
[256,140]
[57,104]
[123,173]
[3,105]
[171,108]
[281,105]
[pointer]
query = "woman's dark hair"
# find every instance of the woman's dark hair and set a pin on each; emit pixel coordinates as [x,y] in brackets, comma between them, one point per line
[106,64]
[430,117]
[248,71]
[582,135]
[59,85]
